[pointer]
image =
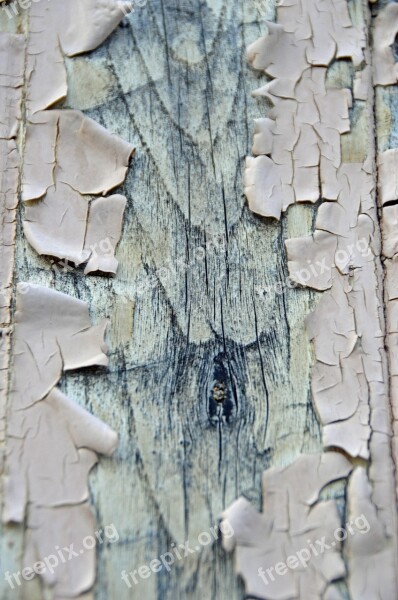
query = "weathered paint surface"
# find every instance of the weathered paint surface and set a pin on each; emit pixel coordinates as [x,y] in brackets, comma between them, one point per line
[301,153]
[209,378]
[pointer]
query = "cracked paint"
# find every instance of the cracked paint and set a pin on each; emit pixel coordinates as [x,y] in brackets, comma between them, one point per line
[299,142]
[11,84]
[74,150]
[388,198]
[369,554]
[385,28]
[52,444]
[348,351]
[68,155]
[293,515]
[59,29]
[59,220]
[299,158]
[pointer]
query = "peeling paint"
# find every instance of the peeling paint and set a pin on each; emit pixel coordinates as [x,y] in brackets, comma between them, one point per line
[385,28]
[59,29]
[388,198]
[388,176]
[299,158]
[370,554]
[293,515]
[301,135]
[73,162]
[11,83]
[68,155]
[348,347]
[74,150]
[52,444]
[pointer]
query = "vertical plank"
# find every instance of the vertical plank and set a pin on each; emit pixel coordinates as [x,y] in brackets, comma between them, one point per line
[199,311]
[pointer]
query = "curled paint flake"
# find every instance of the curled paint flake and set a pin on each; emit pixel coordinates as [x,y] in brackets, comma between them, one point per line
[388,176]
[74,150]
[60,222]
[390,230]
[56,224]
[62,28]
[103,232]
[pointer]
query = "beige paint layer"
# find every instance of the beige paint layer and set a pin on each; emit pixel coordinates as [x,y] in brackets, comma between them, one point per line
[385,28]
[388,176]
[346,327]
[371,557]
[52,444]
[388,193]
[299,143]
[300,158]
[103,233]
[64,146]
[59,29]
[68,155]
[293,517]
[67,158]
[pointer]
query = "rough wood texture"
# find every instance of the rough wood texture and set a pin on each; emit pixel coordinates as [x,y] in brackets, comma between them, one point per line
[187,326]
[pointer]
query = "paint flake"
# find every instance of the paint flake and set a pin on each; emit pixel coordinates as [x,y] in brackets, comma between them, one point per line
[59,221]
[59,29]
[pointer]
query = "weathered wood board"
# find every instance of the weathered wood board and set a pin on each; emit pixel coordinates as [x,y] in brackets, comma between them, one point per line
[209,377]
